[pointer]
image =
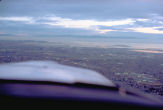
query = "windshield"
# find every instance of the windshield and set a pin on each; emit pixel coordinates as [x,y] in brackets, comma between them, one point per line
[120,39]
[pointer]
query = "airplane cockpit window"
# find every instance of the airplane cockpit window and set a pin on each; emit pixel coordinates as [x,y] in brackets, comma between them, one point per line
[106,44]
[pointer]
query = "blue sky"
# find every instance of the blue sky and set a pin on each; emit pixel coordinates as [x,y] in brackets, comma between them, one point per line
[51,18]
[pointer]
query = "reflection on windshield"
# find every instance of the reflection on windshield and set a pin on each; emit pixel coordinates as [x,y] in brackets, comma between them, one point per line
[113,37]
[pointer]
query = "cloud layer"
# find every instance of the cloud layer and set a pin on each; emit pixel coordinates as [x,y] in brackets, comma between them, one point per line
[121,25]
[85,17]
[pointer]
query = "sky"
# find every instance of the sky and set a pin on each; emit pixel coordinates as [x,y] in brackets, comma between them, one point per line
[82,18]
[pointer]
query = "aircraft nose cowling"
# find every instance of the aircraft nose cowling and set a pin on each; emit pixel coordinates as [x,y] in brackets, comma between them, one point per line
[51,71]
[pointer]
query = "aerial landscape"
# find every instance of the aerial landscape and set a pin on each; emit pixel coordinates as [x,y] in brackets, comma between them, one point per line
[124,66]
[117,39]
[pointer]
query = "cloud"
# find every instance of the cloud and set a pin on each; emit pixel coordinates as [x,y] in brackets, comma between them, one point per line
[103,31]
[140,25]
[148,51]
[87,24]
[148,30]
[142,20]
[18,19]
